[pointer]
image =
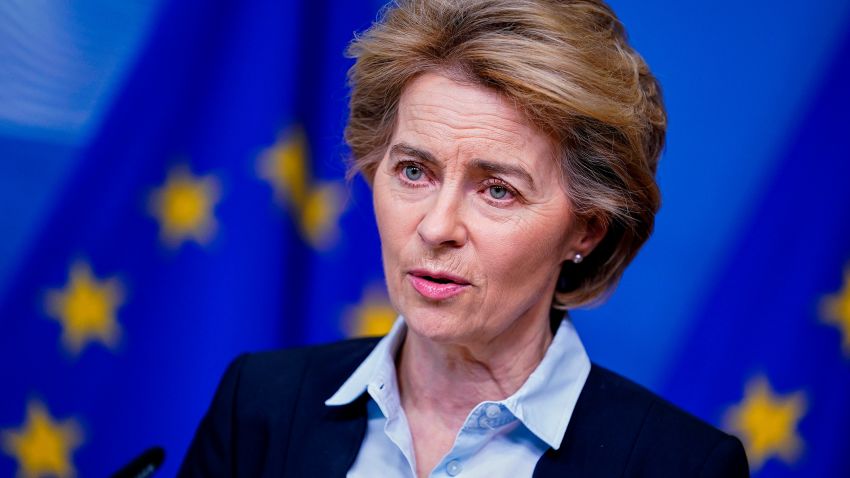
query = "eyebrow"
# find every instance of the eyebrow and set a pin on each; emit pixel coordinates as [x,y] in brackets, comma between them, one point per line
[505,170]
[482,164]
[407,150]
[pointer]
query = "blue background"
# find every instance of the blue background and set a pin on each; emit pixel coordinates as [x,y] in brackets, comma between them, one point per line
[739,79]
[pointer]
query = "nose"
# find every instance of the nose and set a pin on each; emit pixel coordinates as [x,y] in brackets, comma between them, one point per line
[443,224]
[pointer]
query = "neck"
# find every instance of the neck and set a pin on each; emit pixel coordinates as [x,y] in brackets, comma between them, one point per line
[447,380]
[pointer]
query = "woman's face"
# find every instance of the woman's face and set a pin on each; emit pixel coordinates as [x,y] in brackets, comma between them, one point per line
[473,218]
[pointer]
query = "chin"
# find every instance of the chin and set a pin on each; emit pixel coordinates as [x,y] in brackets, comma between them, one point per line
[437,326]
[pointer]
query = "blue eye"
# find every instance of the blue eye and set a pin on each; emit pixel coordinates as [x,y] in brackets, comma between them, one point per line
[412,172]
[498,192]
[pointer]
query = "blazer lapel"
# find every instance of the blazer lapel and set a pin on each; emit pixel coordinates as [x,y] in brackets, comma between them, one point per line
[331,445]
[325,440]
[601,433]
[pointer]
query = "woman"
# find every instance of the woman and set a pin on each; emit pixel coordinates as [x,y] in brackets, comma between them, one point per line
[511,147]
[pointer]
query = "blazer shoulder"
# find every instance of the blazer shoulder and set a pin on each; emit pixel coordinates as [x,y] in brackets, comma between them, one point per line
[275,376]
[610,388]
[624,429]
[291,360]
[263,402]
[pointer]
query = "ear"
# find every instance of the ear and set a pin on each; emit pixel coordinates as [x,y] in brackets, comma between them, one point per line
[587,234]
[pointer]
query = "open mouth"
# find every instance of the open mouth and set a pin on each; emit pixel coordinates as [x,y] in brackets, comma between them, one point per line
[439,277]
[438,280]
[437,286]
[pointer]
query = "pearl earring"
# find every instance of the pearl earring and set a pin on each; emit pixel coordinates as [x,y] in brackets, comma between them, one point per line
[578,258]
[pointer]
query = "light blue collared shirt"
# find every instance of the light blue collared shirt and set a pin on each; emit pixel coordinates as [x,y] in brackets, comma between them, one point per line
[499,438]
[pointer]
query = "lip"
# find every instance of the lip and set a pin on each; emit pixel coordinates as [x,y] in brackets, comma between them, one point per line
[420,279]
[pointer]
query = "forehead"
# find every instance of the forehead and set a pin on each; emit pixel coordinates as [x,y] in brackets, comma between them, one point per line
[456,118]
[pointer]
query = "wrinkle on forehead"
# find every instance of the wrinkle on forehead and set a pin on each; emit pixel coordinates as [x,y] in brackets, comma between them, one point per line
[470,120]
[471,111]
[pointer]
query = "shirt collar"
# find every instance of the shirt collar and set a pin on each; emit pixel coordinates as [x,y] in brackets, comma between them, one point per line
[378,363]
[544,403]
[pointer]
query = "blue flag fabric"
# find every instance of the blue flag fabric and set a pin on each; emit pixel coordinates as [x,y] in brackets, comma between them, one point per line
[208,217]
[769,356]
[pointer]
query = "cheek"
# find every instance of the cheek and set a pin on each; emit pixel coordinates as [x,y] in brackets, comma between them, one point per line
[529,249]
[382,203]
[396,224]
[390,225]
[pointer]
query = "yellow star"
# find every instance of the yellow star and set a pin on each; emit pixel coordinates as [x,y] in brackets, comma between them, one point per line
[317,207]
[767,422]
[835,310]
[86,308]
[374,316]
[184,207]
[43,446]
[320,213]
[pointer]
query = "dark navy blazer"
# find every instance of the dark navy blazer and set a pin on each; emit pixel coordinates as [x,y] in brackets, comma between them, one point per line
[268,418]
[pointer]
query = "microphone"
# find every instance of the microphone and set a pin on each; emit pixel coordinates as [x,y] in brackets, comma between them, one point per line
[143,465]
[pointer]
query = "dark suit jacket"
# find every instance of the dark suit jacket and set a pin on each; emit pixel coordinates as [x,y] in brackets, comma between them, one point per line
[268,418]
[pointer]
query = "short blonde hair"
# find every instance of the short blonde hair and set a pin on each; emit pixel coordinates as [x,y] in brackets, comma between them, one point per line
[568,67]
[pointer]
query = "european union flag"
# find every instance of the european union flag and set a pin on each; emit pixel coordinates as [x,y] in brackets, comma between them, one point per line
[208,217]
[769,357]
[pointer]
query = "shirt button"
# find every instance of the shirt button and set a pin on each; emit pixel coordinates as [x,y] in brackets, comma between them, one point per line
[453,468]
[493,411]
